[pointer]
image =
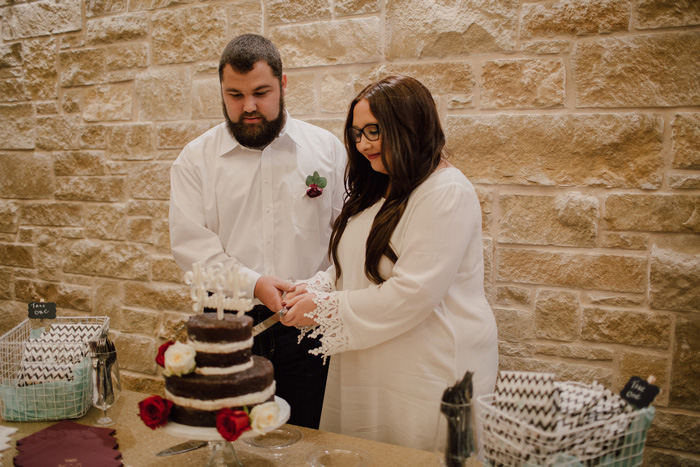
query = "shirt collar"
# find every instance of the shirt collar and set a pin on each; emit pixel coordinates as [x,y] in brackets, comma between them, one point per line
[290,132]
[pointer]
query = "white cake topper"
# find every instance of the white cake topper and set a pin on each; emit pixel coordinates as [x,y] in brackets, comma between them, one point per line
[220,282]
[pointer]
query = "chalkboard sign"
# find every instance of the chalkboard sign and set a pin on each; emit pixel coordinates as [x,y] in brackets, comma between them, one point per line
[42,310]
[638,392]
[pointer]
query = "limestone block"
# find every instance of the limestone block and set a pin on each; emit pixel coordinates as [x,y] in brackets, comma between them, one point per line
[119,28]
[79,163]
[71,41]
[107,221]
[523,84]
[334,125]
[17,126]
[65,295]
[136,352]
[188,34]
[139,230]
[686,141]
[206,99]
[126,56]
[336,92]
[107,189]
[574,351]
[150,180]
[613,150]
[574,18]
[652,14]
[356,7]
[563,371]
[71,100]
[164,94]
[512,295]
[628,327]
[166,270]
[137,5]
[93,136]
[52,214]
[27,175]
[106,259]
[544,47]
[6,295]
[684,182]
[607,299]
[107,300]
[18,256]
[82,67]
[328,43]
[245,17]
[58,132]
[675,277]
[621,273]
[13,90]
[673,430]
[296,11]
[424,28]
[162,237]
[516,349]
[568,220]
[142,383]
[11,55]
[300,97]
[139,321]
[486,202]
[177,135]
[9,216]
[557,315]
[41,18]
[131,142]
[107,103]
[624,240]
[158,297]
[514,325]
[659,70]
[653,213]
[46,108]
[148,208]
[104,7]
[174,326]
[48,255]
[685,391]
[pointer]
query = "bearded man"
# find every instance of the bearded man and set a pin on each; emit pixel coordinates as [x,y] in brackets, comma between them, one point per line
[239,196]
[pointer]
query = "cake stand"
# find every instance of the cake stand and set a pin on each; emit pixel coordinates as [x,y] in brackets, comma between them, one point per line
[222,452]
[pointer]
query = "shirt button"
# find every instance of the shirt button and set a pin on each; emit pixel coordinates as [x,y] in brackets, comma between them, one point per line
[267,180]
[267,210]
[269,241]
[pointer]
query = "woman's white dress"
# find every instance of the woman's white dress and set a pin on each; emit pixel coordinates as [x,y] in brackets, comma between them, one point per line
[398,345]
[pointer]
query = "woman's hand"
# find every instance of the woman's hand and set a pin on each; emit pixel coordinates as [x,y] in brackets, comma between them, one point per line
[297,306]
[299,289]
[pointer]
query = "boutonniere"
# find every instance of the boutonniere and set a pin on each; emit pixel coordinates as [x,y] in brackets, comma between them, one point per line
[316,184]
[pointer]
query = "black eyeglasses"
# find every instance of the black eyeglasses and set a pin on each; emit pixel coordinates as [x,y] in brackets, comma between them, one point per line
[371,132]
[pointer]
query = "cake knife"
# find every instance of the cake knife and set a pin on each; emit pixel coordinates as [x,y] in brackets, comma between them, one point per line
[182,447]
[258,328]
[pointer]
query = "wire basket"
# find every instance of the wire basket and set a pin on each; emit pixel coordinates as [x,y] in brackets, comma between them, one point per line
[45,368]
[505,440]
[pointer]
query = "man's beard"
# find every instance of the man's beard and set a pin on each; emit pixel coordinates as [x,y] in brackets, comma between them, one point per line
[259,135]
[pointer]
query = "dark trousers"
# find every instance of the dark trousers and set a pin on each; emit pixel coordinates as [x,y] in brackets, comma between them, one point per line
[300,377]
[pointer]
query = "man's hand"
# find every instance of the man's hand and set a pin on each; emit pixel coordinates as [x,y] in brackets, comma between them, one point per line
[297,307]
[269,290]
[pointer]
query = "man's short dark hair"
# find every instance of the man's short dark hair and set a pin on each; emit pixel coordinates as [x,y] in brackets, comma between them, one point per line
[243,52]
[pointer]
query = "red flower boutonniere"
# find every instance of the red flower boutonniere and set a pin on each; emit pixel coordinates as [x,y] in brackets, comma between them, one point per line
[316,184]
[154,411]
[160,358]
[231,424]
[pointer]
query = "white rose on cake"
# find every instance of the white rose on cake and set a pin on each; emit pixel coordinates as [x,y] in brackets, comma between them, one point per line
[179,360]
[264,417]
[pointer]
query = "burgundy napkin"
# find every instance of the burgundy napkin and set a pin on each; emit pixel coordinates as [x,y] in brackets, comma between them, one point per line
[68,443]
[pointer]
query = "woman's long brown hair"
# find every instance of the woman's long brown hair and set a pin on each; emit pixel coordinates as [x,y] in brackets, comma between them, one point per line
[412,147]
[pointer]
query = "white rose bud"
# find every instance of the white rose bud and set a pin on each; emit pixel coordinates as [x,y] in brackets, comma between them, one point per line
[264,417]
[179,359]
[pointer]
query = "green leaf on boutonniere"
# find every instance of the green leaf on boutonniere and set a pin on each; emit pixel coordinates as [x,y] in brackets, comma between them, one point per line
[317,180]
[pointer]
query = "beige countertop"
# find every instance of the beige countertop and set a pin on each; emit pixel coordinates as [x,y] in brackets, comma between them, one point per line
[138,443]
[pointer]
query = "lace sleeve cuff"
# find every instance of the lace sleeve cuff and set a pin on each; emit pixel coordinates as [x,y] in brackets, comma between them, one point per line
[321,282]
[330,327]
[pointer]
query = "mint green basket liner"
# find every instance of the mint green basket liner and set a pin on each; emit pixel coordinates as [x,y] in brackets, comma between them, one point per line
[54,400]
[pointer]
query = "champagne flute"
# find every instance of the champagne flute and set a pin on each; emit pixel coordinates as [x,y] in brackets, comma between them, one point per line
[106,382]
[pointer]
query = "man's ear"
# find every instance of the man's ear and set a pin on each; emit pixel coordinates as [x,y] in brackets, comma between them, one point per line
[284,83]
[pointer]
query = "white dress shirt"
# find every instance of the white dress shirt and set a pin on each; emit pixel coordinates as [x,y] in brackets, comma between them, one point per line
[249,208]
[397,346]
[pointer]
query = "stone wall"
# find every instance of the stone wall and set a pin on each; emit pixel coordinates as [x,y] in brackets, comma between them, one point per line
[578,121]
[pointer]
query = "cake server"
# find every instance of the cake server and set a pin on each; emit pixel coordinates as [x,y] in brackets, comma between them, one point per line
[182,447]
[258,328]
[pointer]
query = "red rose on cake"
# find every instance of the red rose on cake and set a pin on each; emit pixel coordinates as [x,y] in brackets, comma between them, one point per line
[160,358]
[154,411]
[231,424]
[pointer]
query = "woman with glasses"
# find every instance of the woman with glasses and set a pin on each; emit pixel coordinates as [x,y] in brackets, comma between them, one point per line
[402,310]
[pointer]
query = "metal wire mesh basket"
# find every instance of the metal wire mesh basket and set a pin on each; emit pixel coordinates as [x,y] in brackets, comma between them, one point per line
[45,368]
[509,441]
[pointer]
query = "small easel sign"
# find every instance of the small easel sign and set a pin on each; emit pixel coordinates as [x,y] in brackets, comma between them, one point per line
[42,310]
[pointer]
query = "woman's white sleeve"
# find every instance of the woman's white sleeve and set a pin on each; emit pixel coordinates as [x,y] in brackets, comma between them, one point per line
[322,281]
